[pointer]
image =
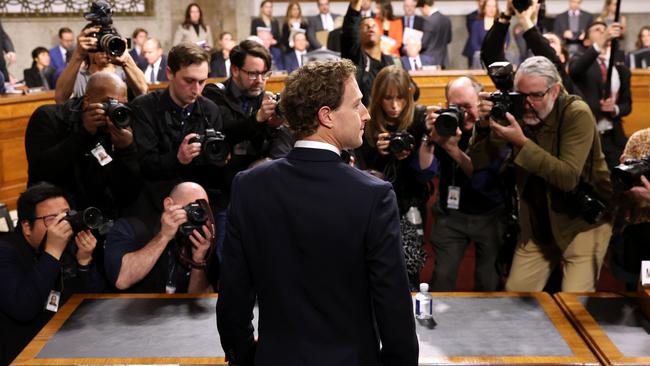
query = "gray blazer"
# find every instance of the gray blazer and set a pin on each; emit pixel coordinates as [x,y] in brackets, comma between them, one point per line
[189,35]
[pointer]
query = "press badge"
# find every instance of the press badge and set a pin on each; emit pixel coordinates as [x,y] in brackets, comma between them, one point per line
[52,303]
[100,154]
[453,197]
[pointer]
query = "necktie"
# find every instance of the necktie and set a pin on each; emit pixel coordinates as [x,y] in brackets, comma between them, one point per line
[152,76]
[416,64]
[603,69]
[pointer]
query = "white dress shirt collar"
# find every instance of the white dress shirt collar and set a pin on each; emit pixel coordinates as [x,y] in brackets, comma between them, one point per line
[308,144]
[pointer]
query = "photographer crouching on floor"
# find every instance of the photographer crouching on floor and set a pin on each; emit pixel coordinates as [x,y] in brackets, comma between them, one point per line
[46,260]
[562,179]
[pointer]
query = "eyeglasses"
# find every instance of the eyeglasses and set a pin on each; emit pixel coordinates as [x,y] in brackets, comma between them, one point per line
[536,96]
[48,219]
[253,75]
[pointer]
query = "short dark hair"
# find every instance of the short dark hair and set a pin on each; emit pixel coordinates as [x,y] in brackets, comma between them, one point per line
[186,54]
[64,30]
[38,50]
[28,200]
[245,48]
[593,24]
[138,31]
[311,87]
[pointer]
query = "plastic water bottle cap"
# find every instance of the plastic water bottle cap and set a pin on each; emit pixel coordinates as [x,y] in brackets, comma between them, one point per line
[424,287]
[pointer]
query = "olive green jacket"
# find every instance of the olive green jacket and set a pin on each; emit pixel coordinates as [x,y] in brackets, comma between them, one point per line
[539,156]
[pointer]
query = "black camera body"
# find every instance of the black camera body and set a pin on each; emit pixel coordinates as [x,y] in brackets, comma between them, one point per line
[580,202]
[628,174]
[89,219]
[120,114]
[400,141]
[108,40]
[197,216]
[505,100]
[449,119]
[214,148]
[278,112]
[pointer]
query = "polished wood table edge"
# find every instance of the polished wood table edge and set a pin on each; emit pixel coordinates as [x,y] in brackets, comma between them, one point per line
[591,332]
[29,355]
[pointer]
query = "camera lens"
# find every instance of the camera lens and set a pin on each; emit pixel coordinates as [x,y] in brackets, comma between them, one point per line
[446,124]
[113,44]
[92,217]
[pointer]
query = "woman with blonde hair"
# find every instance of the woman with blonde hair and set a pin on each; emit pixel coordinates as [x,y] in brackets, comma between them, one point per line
[293,20]
[608,14]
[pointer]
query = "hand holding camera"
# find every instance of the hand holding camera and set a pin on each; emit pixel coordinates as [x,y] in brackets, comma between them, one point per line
[58,235]
[171,219]
[511,133]
[189,149]
[201,243]
[445,126]
[268,107]
[86,243]
[86,42]
[94,117]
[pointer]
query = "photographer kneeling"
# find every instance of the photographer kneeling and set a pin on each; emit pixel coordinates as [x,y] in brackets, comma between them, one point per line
[169,254]
[470,206]
[40,267]
[562,180]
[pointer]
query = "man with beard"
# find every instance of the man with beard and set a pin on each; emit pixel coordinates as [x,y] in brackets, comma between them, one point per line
[248,113]
[559,162]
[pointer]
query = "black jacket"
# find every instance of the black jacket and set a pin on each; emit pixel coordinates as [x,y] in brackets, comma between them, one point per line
[217,65]
[33,77]
[159,131]
[28,276]
[58,151]
[248,139]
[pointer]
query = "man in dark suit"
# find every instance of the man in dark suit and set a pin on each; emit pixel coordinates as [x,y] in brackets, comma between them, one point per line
[437,34]
[155,62]
[410,19]
[293,58]
[324,20]
[327,294]
[139,37]
[588,70]
[571,24]
[59,53]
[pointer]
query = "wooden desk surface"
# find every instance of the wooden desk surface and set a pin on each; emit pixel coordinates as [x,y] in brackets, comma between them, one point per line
[608,332]
[441,336]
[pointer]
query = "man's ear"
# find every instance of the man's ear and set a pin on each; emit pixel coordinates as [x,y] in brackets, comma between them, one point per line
[169,73]
[325,117]
[167,202]
[26,228]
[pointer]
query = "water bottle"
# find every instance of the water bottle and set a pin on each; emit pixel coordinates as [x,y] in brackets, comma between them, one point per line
[413,216]
[424,303]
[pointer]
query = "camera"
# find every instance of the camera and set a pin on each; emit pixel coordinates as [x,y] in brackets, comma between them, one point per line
[278,112]
[90,218]
[505,100]
[197,216]
[400,141]
[449,119]
[108,40]
[579,202]
[628,174]
[214,148]
[119,113]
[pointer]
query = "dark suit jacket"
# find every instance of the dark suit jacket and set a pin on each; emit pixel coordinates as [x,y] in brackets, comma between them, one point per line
[217,65]
[424,61]
[315,25]
[286,32]
[437,35]
[7,46]
[139,59]
[418,22]
[562,23]
[162,75]
[33,78]
[321,251]
[290,61]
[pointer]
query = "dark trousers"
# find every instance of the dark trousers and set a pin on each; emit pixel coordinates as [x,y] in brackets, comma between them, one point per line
[450,236]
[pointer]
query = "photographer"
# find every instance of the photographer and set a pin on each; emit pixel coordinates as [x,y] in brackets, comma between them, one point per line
[470,206]
[562,180]
[80,147]
[249,114]
[492,49]
[394,132]
[40,267]
[178,132]
[87,60]
[151,255]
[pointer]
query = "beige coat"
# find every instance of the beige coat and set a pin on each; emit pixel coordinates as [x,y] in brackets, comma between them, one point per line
[189,35]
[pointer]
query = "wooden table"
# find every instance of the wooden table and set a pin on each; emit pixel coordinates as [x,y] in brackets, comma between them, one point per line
[612,325]
[81,332]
